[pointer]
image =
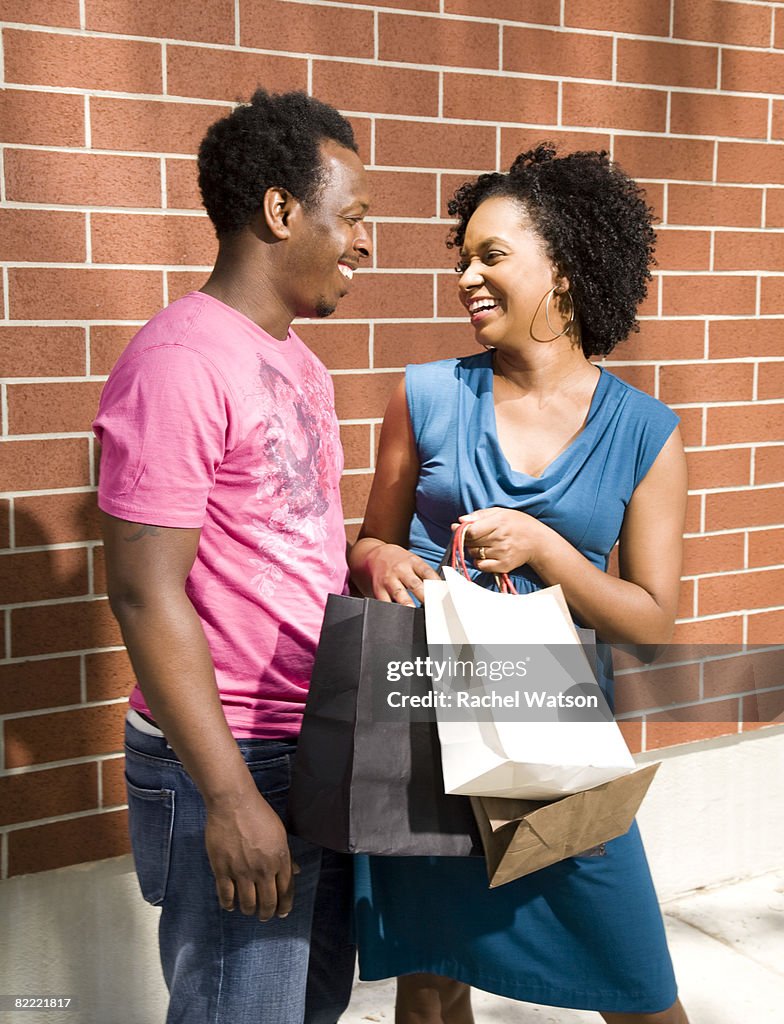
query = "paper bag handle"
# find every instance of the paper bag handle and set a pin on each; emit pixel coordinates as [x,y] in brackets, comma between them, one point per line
[503,582]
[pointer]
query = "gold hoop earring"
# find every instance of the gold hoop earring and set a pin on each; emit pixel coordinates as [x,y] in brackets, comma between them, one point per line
[569,322]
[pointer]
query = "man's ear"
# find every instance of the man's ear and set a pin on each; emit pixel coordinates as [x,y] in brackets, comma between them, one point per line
[278,207]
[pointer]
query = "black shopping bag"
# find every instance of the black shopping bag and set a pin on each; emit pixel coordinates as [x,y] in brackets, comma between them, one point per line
[365,782]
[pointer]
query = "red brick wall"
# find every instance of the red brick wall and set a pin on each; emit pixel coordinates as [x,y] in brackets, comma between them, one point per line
[104,105]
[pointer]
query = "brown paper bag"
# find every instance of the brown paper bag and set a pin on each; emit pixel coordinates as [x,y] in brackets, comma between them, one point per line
[521,836]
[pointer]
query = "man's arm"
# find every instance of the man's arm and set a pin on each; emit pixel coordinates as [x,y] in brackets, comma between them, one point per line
[246,841]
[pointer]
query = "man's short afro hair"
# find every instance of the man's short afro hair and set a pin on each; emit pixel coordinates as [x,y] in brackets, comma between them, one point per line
[597,228]
[271,141]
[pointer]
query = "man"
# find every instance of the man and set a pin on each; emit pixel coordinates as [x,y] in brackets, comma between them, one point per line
[223,532]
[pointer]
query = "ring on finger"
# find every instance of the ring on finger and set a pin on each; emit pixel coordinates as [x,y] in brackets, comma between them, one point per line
[482,555]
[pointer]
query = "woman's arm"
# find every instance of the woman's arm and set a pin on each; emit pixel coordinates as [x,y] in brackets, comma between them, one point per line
[638,608]
[380,563]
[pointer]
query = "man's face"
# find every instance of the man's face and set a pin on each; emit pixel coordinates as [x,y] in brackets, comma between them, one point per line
[330,237]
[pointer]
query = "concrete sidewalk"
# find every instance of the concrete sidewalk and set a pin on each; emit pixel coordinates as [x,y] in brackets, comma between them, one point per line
[727,944]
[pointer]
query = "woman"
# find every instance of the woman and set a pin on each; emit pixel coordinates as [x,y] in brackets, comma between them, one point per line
[551,460]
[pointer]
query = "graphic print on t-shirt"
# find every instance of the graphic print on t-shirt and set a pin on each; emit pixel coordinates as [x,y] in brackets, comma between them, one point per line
[296,448]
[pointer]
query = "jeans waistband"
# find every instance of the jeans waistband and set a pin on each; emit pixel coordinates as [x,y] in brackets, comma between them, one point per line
[142,723]
[157,746]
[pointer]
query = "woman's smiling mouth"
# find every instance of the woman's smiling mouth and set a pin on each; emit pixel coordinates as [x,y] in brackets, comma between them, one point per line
[478,309]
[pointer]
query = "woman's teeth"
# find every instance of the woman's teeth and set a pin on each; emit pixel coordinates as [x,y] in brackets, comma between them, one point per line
[479,305]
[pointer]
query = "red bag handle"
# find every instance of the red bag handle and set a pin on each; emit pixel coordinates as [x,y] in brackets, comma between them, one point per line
[502,580]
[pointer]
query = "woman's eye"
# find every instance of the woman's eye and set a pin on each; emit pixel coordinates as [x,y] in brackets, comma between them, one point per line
[461,267]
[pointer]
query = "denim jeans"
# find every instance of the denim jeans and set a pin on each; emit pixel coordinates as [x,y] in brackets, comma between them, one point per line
[223,967]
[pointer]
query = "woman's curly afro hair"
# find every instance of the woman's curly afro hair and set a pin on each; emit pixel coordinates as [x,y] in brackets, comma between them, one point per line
[597,228]
[271,141]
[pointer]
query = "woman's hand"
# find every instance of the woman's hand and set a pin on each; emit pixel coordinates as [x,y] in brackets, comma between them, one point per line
[396,573]
[502,539]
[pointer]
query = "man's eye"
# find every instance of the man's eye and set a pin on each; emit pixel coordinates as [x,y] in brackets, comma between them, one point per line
[461,267]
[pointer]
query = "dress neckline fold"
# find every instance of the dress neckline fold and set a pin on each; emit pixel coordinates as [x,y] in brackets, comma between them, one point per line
[574,447]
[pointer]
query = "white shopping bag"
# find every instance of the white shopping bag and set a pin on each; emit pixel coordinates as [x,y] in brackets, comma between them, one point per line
[494,753]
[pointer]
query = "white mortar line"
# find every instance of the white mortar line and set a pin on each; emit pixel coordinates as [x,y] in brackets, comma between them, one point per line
[57,655]
[500,47]
[88,242]
[65,545]
[11,529]
[89,549]
[91,442]
[471,70]
[433,15]
[64,762]
[376,42]
[83,679]
[74,815]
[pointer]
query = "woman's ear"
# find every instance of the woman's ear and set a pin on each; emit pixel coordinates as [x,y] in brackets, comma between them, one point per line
[277,207]
[561,282]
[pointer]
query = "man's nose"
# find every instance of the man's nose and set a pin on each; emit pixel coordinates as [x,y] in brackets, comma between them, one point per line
[363,243]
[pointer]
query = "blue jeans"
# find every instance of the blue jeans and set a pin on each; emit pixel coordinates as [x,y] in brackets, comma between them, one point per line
[225,967]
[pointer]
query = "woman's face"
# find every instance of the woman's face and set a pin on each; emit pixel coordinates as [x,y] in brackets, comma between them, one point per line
[506,276]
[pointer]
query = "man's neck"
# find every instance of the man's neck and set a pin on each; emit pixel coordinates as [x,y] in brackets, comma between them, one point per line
[243,284]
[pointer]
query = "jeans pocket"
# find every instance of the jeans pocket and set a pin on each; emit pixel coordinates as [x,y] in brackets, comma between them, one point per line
[151,818]
[272,779]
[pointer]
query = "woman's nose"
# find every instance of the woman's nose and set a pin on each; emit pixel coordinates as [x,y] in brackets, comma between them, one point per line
[471,277]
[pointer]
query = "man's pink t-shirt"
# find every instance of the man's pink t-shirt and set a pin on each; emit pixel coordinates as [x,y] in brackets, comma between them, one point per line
[208,422]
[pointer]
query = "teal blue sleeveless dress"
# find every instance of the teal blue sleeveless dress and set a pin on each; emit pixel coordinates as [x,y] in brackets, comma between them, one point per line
[587,932]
